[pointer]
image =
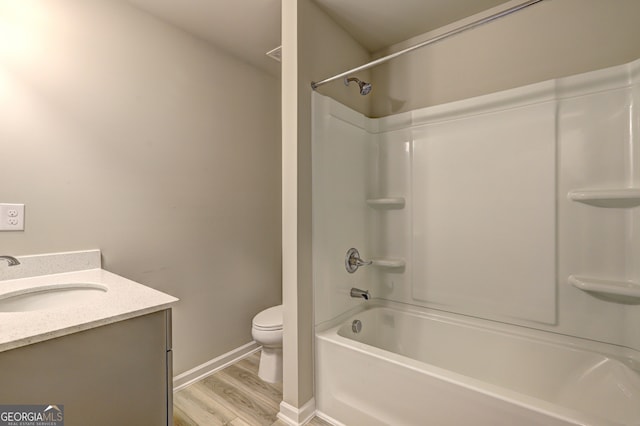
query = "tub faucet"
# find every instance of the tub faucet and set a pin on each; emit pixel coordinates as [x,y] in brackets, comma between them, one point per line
[12,261]
[356,292]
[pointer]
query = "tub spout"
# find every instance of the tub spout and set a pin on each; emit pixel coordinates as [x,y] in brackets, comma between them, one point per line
[12,261]
[356,292]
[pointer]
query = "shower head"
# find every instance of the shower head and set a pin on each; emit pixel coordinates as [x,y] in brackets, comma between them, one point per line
[365,88]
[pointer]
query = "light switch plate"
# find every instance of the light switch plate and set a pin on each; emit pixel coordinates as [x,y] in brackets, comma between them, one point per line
[11,217]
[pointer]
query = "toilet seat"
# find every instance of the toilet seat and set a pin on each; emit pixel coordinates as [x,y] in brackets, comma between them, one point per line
[269,320]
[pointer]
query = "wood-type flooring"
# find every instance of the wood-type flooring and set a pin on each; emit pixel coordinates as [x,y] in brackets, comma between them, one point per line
[233,396]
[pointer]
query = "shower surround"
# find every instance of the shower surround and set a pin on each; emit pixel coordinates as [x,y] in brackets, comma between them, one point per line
[518,208]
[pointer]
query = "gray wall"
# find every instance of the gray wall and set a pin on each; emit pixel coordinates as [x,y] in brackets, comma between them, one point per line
[554,38]
[122,133]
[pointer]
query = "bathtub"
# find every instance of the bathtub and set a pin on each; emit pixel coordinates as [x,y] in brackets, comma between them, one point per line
[409,366]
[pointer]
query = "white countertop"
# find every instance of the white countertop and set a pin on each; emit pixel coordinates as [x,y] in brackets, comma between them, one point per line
[124,299]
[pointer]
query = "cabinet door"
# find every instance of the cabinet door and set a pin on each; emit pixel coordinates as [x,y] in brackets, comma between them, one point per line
[113,374]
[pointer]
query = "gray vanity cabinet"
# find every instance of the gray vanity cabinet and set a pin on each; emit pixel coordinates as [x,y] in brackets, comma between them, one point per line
[115,374]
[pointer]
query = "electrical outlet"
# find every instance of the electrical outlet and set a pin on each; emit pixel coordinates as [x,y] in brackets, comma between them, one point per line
[11,217]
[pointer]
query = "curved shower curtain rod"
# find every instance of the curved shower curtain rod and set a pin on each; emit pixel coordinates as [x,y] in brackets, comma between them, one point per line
[315,85]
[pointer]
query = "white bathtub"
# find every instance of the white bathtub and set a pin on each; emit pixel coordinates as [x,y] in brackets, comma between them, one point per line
[418,367]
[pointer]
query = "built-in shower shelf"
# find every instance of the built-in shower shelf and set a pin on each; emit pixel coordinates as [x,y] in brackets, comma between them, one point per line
[613,198]
[388,263]
[386,203]
[606,287]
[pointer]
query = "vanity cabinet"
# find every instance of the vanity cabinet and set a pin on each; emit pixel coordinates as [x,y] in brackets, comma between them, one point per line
[114,374]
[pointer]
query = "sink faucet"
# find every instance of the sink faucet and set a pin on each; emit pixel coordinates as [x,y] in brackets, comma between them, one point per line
[12,261]
[356,292]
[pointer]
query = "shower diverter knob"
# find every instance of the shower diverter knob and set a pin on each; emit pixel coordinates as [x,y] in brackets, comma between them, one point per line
[352,261]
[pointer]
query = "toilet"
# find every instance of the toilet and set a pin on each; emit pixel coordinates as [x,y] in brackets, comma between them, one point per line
[266,330]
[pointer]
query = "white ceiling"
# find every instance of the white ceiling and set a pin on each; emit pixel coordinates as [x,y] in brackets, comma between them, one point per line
[250,28]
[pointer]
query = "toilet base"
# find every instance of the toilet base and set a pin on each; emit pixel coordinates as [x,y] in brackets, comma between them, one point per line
[270,369]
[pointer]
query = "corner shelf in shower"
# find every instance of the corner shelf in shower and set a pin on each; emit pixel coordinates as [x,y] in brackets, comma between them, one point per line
[612,198]
[386,203]
[388,263]
[606,287]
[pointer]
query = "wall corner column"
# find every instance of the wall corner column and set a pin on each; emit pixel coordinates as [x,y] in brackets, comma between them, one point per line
[298,403]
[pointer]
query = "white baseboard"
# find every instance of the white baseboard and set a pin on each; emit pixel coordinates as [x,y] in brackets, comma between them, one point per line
[203,370]
[297,416]
[328,419]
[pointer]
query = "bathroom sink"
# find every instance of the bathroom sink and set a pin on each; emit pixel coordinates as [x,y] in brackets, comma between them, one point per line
[51,297]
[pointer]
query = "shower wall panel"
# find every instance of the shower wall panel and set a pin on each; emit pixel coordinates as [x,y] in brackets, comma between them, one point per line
[343,167]
[521,206]
[484,214]
[393,227]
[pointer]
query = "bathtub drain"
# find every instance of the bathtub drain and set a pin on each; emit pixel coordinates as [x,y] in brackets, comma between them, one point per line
[356,326]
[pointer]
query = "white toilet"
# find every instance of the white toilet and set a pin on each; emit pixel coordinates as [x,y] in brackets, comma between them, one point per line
[266,330]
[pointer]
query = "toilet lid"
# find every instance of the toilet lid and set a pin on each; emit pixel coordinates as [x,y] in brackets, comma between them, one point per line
[269,319]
